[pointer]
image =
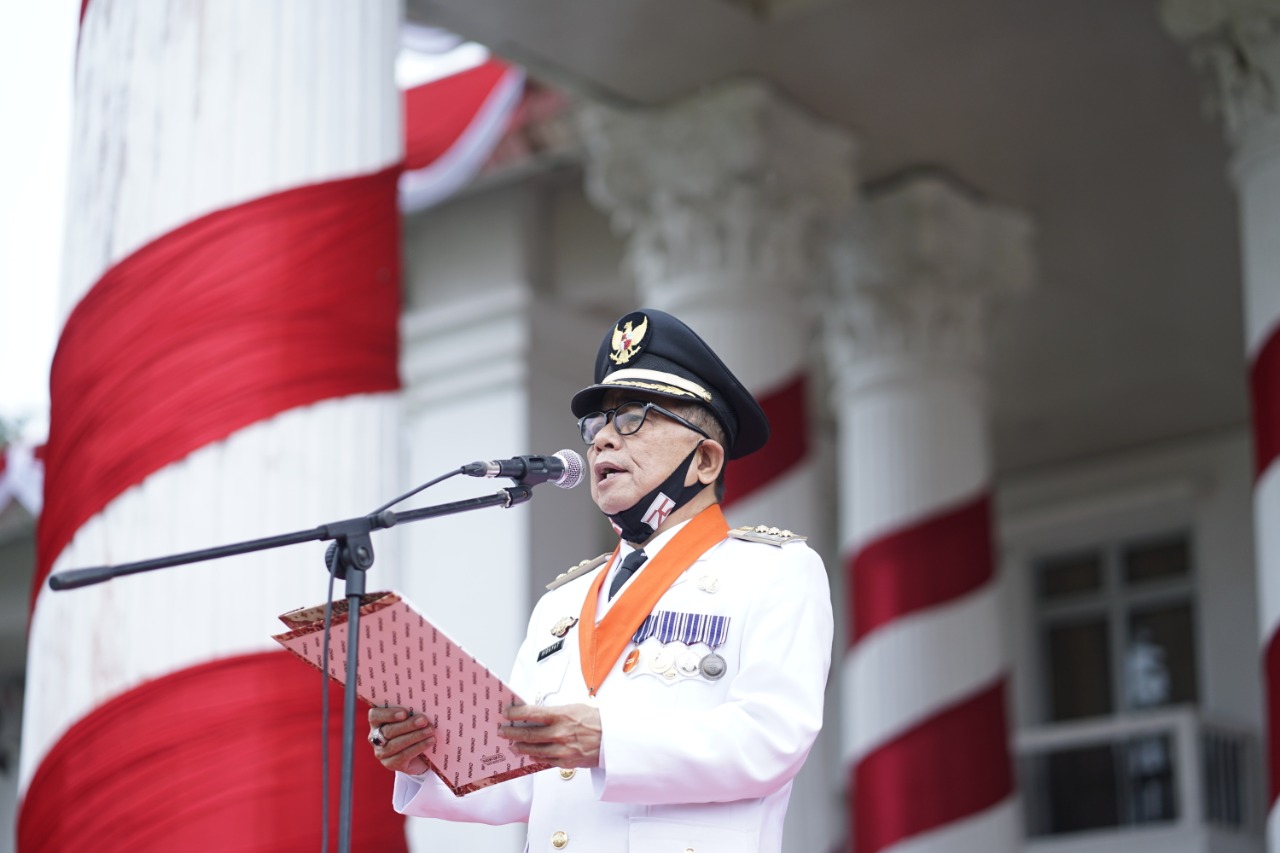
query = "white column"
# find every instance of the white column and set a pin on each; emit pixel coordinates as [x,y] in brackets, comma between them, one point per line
[1237,44]
[924,677]
[465,370]
[721,198]
[183,109]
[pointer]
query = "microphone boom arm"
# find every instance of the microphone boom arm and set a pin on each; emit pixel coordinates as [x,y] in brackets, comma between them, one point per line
[337,530]
[354,556]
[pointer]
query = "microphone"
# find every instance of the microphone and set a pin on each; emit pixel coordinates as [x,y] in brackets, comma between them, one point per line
[564,469]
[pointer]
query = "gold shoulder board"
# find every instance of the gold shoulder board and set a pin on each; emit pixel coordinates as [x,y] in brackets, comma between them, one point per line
[766,534]
[578,570]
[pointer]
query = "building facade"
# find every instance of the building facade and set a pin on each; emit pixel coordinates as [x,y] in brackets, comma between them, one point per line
[1022,375]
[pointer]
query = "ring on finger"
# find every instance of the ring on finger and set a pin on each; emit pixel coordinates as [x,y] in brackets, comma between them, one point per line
[376,737]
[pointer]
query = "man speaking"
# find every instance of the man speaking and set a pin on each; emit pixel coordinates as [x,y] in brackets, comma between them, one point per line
[676,684]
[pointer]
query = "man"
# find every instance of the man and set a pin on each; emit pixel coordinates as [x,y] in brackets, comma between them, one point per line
[677,684]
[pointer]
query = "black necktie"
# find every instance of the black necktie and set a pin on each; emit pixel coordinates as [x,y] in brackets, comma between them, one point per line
[630,565]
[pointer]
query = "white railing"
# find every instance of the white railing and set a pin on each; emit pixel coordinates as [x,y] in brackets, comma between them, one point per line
[1166,769]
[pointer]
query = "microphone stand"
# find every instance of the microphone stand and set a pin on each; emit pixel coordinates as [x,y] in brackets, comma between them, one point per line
[354,557]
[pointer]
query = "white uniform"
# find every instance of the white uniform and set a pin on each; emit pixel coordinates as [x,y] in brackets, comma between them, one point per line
[687,762]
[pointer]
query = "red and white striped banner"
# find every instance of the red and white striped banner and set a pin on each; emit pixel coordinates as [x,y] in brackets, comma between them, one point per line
[787,408]
[452,126]
[229,371]
[934,752]
[925,672]
[1264,385]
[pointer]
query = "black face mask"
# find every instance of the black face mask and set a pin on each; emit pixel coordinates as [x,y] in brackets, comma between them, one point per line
[638,523]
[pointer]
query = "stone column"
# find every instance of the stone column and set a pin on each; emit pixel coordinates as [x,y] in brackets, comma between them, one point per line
[925,673]
[227,371]
[1237,44]
[720,197]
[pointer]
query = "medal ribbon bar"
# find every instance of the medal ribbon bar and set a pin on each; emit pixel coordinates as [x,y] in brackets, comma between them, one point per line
[669,626]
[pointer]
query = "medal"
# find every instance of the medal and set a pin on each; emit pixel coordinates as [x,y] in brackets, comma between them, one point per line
[688,663]
[712,667]
[562,627]
[662,661]
[632,659]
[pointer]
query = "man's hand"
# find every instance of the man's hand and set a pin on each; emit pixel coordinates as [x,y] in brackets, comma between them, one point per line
[560,735]
[404,739]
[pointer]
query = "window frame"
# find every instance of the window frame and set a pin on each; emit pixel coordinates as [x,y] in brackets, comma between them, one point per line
[1117,602]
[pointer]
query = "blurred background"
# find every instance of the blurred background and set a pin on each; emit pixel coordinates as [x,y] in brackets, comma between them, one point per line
[1002,273]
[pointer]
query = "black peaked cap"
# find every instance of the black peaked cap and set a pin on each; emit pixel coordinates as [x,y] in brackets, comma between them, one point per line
[653,352]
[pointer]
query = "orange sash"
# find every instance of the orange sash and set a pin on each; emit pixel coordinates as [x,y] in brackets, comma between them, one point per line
[600,646]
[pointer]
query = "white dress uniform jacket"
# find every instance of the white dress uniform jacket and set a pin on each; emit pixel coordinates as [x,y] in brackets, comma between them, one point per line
[687,762]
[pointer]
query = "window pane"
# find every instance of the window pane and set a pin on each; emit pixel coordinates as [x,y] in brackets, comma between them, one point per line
[1149,782]
[1160,660]
[1077,574]
[1082,790]
[1101,786]
[1157,561]
[1080,670]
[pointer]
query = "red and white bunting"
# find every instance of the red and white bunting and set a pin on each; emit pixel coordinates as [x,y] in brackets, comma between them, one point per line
[925,674]
[229,371]
[452,126]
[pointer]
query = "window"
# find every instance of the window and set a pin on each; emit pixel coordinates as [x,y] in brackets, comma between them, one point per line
[1117,628]
[1116,624]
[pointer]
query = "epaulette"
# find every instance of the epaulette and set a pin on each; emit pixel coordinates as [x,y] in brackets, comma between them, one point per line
[768,535]
[578,570]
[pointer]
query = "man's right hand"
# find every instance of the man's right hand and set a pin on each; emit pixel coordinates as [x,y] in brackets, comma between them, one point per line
[404,738]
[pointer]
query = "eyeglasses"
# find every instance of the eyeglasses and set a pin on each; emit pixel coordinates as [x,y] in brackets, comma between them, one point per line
[627,419]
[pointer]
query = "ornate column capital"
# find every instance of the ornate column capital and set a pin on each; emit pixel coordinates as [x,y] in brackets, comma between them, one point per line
[1236,43]
[916,274]
[725,183]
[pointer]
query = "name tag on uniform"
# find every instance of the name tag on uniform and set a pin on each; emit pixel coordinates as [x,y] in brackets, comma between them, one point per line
[550,650]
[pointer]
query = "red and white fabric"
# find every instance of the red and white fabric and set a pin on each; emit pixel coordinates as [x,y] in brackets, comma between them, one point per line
[227,370]
[1264,378]
[452,126]
[766,350]
[1257,181]
[924,676]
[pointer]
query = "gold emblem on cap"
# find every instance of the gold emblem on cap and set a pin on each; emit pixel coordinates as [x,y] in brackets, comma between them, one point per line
[627,339]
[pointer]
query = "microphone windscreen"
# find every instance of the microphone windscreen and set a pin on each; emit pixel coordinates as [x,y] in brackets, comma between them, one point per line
[574,469]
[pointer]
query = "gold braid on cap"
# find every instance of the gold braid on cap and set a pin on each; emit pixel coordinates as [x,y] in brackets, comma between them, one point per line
[656,380]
